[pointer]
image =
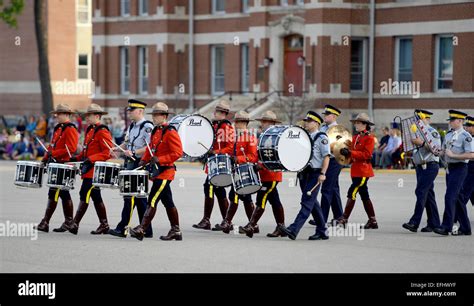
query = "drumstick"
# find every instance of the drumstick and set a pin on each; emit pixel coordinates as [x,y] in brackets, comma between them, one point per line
[243,151]
[138,168]
[149,150]
[41,143]
[203,145]
[68,152]
[116,145]
[312,189]
[219,143]
[110,148]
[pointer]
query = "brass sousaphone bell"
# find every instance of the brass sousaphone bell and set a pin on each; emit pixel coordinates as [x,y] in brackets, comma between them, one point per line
[339,137]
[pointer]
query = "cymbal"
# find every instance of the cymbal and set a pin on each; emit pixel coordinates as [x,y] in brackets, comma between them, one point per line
[338,133]
[341,159]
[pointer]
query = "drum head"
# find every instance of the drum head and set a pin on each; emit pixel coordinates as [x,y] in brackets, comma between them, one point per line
[197,135]
[294,148]
[248,189]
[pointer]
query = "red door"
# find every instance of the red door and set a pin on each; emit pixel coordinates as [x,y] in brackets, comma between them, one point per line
[293,66]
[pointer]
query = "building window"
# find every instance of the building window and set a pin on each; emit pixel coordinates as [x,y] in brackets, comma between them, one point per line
[245,67]
[444,62]
[403,60]
[284,2]
[82,67]
[245,6]
[218,6]
[300,2]
[143,7]
[217,69]
[143,70]
[358,60]
[125,7]
[124,71]
[82,10]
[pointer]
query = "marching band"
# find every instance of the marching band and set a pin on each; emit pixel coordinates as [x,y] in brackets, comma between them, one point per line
[249,164]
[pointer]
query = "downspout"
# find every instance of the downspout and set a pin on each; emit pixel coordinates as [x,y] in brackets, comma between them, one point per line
[191,56]
[371,60]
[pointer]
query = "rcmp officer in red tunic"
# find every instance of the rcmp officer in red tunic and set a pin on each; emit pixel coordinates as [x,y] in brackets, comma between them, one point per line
[166,148]
[64,141]
[360,153]
[244,151]
[269,192]
[96,147]
[223,144]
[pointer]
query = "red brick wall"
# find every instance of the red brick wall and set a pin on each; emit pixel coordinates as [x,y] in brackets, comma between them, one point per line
[423,61]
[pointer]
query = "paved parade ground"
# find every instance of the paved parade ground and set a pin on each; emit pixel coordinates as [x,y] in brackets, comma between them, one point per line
[388,249]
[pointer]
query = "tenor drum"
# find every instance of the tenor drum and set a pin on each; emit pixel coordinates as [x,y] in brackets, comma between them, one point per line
[220,170]
[29,174]
[133,183]
[246,179]
[285,148]
[196,133]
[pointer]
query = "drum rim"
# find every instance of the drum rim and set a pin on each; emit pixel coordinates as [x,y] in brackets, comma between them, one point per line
[28,163]
[248,193]
[62,166]
[28,184]
[102,163]
[276,146]
[137,172]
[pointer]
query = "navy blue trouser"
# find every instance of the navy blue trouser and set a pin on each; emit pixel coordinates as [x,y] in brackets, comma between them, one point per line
[330,193]
[129,203]
[309,203]
[454,182]
[425,195]
[466,194]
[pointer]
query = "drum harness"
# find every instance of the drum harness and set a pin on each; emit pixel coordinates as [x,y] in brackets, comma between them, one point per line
[161,168]
[219,126]
[61,126]
[87,166]
[313,140]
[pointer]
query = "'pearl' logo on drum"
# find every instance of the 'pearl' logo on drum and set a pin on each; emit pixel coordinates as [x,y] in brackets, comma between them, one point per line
[194,123]
[293,136]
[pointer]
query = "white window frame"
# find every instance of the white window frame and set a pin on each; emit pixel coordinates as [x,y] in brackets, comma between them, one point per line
[81,9]
[365,57]
[213,70]
[140,7]
[397,57]
[123,51]
[245,67]
[143,62]
[214,7]
[88,67]
[437,54]
[122,6]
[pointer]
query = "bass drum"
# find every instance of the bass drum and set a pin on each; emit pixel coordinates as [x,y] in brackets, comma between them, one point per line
[285,148]
[196,133]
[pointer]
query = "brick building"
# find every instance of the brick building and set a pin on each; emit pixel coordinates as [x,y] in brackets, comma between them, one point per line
[69,39]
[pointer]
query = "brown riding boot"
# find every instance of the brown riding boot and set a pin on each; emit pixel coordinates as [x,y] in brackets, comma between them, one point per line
[279,214]
[223,206]
[369,209]
[139,231]
[205,223]
[44,224]
[249,209]
[249,228]
[227,223]
[347,212]
[175,232]
[81,210]
[102,214]
[68,210]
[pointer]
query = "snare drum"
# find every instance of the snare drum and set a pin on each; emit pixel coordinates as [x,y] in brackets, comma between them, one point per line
[246,179]
[196,133]
[285,148]
[29,174]
[61,176]
[133,183]
[106,174]
[220,170]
